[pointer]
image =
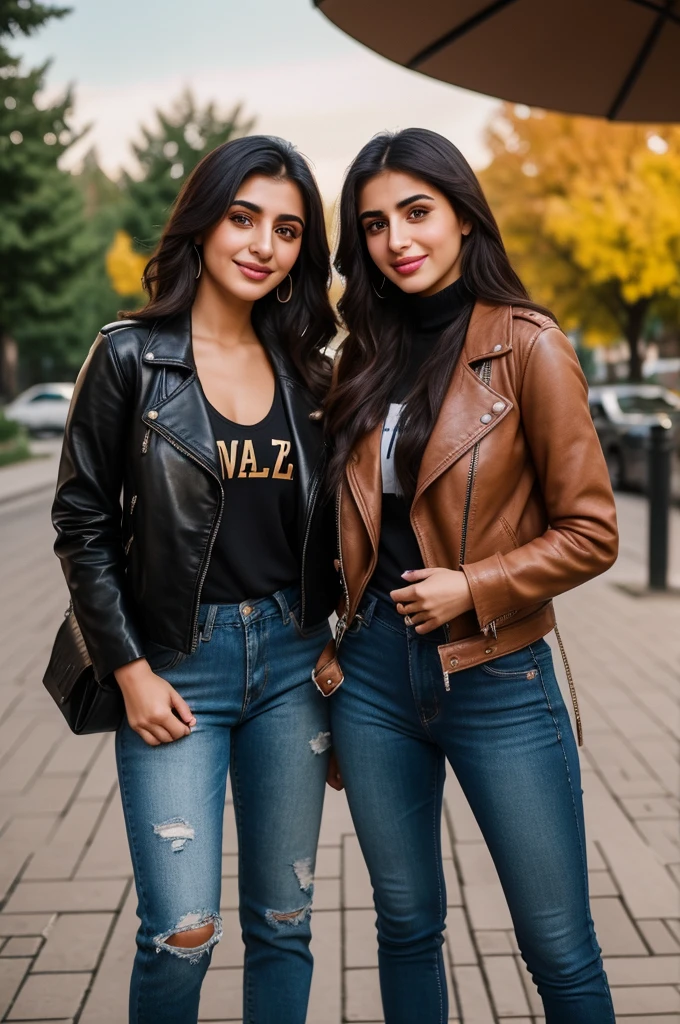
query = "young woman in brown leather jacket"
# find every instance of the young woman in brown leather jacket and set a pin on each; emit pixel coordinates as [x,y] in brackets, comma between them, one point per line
[471,491]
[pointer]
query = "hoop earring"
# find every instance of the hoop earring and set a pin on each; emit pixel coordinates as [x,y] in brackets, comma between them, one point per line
[290,293]
[379,293]
[200,263]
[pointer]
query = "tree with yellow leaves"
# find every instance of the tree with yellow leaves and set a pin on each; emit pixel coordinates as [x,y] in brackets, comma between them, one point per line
[124,266]
[590,213]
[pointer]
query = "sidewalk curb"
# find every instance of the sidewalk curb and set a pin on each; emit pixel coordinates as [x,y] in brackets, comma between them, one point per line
[36,489]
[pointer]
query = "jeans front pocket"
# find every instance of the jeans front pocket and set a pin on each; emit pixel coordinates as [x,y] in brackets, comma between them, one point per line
[518,664]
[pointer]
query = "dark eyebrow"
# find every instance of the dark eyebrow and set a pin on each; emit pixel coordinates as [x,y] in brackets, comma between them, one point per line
[371,213]
[258,209]
[412,199]
[400,206]
[290,216]
[248,206]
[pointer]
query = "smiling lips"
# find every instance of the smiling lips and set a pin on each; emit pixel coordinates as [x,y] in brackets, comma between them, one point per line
[253,271]
[409,264]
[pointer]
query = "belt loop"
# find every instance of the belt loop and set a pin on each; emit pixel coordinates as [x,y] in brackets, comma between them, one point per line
[367,611]
[207,630]
[280,599]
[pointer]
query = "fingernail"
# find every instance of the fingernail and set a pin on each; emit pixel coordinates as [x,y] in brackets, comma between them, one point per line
[406,572]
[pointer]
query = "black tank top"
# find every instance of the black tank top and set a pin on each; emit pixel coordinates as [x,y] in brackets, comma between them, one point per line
[256,548]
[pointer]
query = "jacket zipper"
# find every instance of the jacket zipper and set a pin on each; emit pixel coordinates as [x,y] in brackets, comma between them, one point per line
[308,528]
[491,627]
[342,621]
[216,526]
[485,375]
[128,545]
[145,442]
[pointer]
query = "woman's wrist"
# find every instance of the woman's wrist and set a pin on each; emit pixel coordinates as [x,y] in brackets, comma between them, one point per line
[129,675]
[467,602]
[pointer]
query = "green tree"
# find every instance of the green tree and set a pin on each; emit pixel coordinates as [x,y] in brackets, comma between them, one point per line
[42,243]
[98,300]
[167,155]
[590,212]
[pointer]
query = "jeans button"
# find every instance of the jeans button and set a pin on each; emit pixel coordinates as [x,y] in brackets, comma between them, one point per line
[247,610]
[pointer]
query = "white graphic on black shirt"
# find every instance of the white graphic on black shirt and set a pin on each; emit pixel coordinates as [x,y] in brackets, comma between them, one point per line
[388,443]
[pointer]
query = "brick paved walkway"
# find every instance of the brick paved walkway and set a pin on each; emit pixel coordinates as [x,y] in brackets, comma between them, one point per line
[67,907]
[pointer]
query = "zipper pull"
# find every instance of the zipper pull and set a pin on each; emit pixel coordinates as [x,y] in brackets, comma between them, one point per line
[340,629]
[491,627]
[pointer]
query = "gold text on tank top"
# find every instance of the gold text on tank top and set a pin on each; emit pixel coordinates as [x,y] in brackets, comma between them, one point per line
[247,464]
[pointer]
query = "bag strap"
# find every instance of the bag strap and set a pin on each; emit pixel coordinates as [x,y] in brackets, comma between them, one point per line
[572,688]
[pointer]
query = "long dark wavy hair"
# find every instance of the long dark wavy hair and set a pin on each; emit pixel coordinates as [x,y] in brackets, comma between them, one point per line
[304,326]
[374,352]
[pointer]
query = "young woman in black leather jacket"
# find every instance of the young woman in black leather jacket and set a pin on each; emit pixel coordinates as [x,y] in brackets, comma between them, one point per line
[207,594]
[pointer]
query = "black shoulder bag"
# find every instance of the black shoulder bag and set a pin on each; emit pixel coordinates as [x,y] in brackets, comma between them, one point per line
[87,705]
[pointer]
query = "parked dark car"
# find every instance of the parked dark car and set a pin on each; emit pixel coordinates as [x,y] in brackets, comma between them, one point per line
[623,415]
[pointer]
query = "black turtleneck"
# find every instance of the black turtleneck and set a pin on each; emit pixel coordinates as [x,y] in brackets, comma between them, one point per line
[427,317]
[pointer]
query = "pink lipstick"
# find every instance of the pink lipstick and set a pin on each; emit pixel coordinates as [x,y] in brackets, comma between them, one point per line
[409,264]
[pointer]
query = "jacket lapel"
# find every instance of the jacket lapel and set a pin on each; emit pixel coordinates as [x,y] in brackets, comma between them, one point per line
[463,419]
[181,416]
[298,403]
[364,476]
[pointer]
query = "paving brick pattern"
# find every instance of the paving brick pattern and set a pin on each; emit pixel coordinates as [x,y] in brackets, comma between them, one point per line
[67,904]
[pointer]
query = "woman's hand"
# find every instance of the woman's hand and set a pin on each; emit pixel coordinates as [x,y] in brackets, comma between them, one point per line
[154,708]
[434,596]
[334,778]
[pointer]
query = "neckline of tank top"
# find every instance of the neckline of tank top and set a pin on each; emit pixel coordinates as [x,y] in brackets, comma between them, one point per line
[244,426]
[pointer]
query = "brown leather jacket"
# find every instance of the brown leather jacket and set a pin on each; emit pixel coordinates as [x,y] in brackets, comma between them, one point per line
[513,489]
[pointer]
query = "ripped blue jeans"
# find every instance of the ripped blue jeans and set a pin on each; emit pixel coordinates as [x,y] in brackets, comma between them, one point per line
[249,686]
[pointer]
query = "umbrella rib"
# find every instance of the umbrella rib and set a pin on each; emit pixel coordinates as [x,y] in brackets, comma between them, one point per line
[653,5]
[640,61]
[477,19]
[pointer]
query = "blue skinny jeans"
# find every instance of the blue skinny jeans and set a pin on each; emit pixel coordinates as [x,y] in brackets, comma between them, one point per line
[505,730]
[249,686]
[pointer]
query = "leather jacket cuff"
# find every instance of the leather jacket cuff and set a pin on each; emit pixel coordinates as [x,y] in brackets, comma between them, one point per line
[489,588]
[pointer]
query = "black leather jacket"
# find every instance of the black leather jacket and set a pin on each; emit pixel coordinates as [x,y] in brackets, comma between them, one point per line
[138,424]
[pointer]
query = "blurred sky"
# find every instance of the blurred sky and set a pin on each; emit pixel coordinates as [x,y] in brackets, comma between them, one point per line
[290,67]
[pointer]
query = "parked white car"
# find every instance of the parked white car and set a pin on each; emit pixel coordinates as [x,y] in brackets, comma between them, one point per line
[44,407]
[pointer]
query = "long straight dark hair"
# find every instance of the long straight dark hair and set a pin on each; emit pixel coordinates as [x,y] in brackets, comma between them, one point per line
[374,351]
[304,326]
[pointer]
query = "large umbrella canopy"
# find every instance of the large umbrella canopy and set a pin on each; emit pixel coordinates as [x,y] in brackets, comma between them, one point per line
[618,59]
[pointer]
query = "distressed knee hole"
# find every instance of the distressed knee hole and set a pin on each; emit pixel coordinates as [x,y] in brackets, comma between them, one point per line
[193,936]
[320,743]
[287,918]
[305,877]
[304,874]
[175,831]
